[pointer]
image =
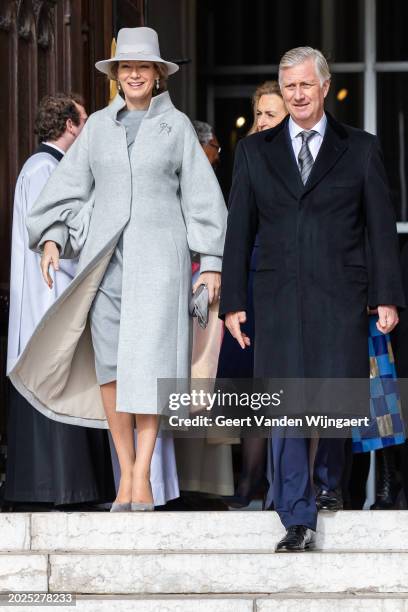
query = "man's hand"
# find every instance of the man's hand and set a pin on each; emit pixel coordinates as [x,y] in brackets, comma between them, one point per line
[233,322]
[213,282]
[387,318]
[50,256]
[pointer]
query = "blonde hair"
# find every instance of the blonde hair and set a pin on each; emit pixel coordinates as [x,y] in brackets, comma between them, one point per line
[161,69]
[298,55]
[265,89]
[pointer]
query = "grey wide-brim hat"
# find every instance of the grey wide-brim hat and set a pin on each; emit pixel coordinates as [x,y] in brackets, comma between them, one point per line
[136,44]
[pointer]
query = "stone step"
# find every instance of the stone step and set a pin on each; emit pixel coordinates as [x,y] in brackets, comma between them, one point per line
[23,572]
[205,573]
[15,531]
[280,603]
[206,561]
[228,573]
[204,531]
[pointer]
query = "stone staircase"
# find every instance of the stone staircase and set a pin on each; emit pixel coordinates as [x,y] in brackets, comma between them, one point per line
[205,561]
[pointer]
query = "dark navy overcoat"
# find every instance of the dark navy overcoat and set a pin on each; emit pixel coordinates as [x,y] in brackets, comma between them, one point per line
[327,249]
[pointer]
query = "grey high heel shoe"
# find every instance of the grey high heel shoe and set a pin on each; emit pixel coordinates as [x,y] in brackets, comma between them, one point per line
[141,507]
[117,507]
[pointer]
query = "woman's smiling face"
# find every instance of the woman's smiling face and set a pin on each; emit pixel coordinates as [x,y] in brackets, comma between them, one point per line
[137,80]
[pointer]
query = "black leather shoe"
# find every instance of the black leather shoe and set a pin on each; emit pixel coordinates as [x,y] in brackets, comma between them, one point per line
[297,539]
[388,484]
[329,501]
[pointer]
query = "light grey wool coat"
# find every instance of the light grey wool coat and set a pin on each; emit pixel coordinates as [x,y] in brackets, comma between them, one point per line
[167,202]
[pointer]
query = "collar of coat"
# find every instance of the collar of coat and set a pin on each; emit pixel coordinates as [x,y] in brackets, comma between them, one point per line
[158,105]
[335,144]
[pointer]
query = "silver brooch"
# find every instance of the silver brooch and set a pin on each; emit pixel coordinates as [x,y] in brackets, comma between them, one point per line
[164,127]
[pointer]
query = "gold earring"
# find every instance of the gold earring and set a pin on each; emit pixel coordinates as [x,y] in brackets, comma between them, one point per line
[118,86]
[157,83]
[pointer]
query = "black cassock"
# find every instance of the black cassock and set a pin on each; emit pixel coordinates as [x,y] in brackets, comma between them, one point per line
[52,462]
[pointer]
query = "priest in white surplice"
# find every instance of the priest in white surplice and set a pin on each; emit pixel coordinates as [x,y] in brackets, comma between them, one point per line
[48,463]
[29,299]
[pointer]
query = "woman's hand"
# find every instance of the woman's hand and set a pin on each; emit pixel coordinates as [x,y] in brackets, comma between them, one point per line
[213,282]
[50,256]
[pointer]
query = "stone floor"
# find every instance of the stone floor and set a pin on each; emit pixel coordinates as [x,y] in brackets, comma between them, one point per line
[212,561]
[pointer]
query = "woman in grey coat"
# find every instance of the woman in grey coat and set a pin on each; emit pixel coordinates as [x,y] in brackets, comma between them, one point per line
[134,195]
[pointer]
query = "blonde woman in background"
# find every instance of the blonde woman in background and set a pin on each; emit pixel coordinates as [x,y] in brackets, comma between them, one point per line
[268,106]
[269,110]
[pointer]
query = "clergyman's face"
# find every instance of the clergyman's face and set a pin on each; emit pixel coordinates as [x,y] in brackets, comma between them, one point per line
[303,94]
[76,129]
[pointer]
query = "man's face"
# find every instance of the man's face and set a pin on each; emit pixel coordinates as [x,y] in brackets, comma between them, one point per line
[212,150]
[303,94]
[76,129]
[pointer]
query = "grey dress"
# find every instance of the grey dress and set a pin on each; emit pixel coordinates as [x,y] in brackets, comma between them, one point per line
[105,310]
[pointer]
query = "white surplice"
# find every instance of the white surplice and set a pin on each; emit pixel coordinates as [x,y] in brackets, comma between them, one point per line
[29,295]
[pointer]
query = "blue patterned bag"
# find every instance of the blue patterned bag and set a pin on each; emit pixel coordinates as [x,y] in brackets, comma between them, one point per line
[386,427]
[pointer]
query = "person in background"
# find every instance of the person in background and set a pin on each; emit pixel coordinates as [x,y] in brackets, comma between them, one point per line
[208,141]
[204,465]
[48,462]
[268,111]
[268,107]
[392,462]
[385,432]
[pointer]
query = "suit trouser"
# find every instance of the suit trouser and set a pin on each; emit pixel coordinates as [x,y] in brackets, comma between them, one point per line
[292,491]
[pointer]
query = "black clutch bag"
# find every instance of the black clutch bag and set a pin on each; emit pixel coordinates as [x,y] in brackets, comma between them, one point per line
[199,305]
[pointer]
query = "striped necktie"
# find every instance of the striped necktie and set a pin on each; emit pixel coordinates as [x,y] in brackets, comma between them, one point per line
[305,158]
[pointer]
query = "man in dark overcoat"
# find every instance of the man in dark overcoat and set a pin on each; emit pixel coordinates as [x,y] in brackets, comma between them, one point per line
[316,193]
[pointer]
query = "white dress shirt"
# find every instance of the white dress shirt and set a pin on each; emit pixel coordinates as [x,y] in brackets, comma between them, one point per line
[314,142]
